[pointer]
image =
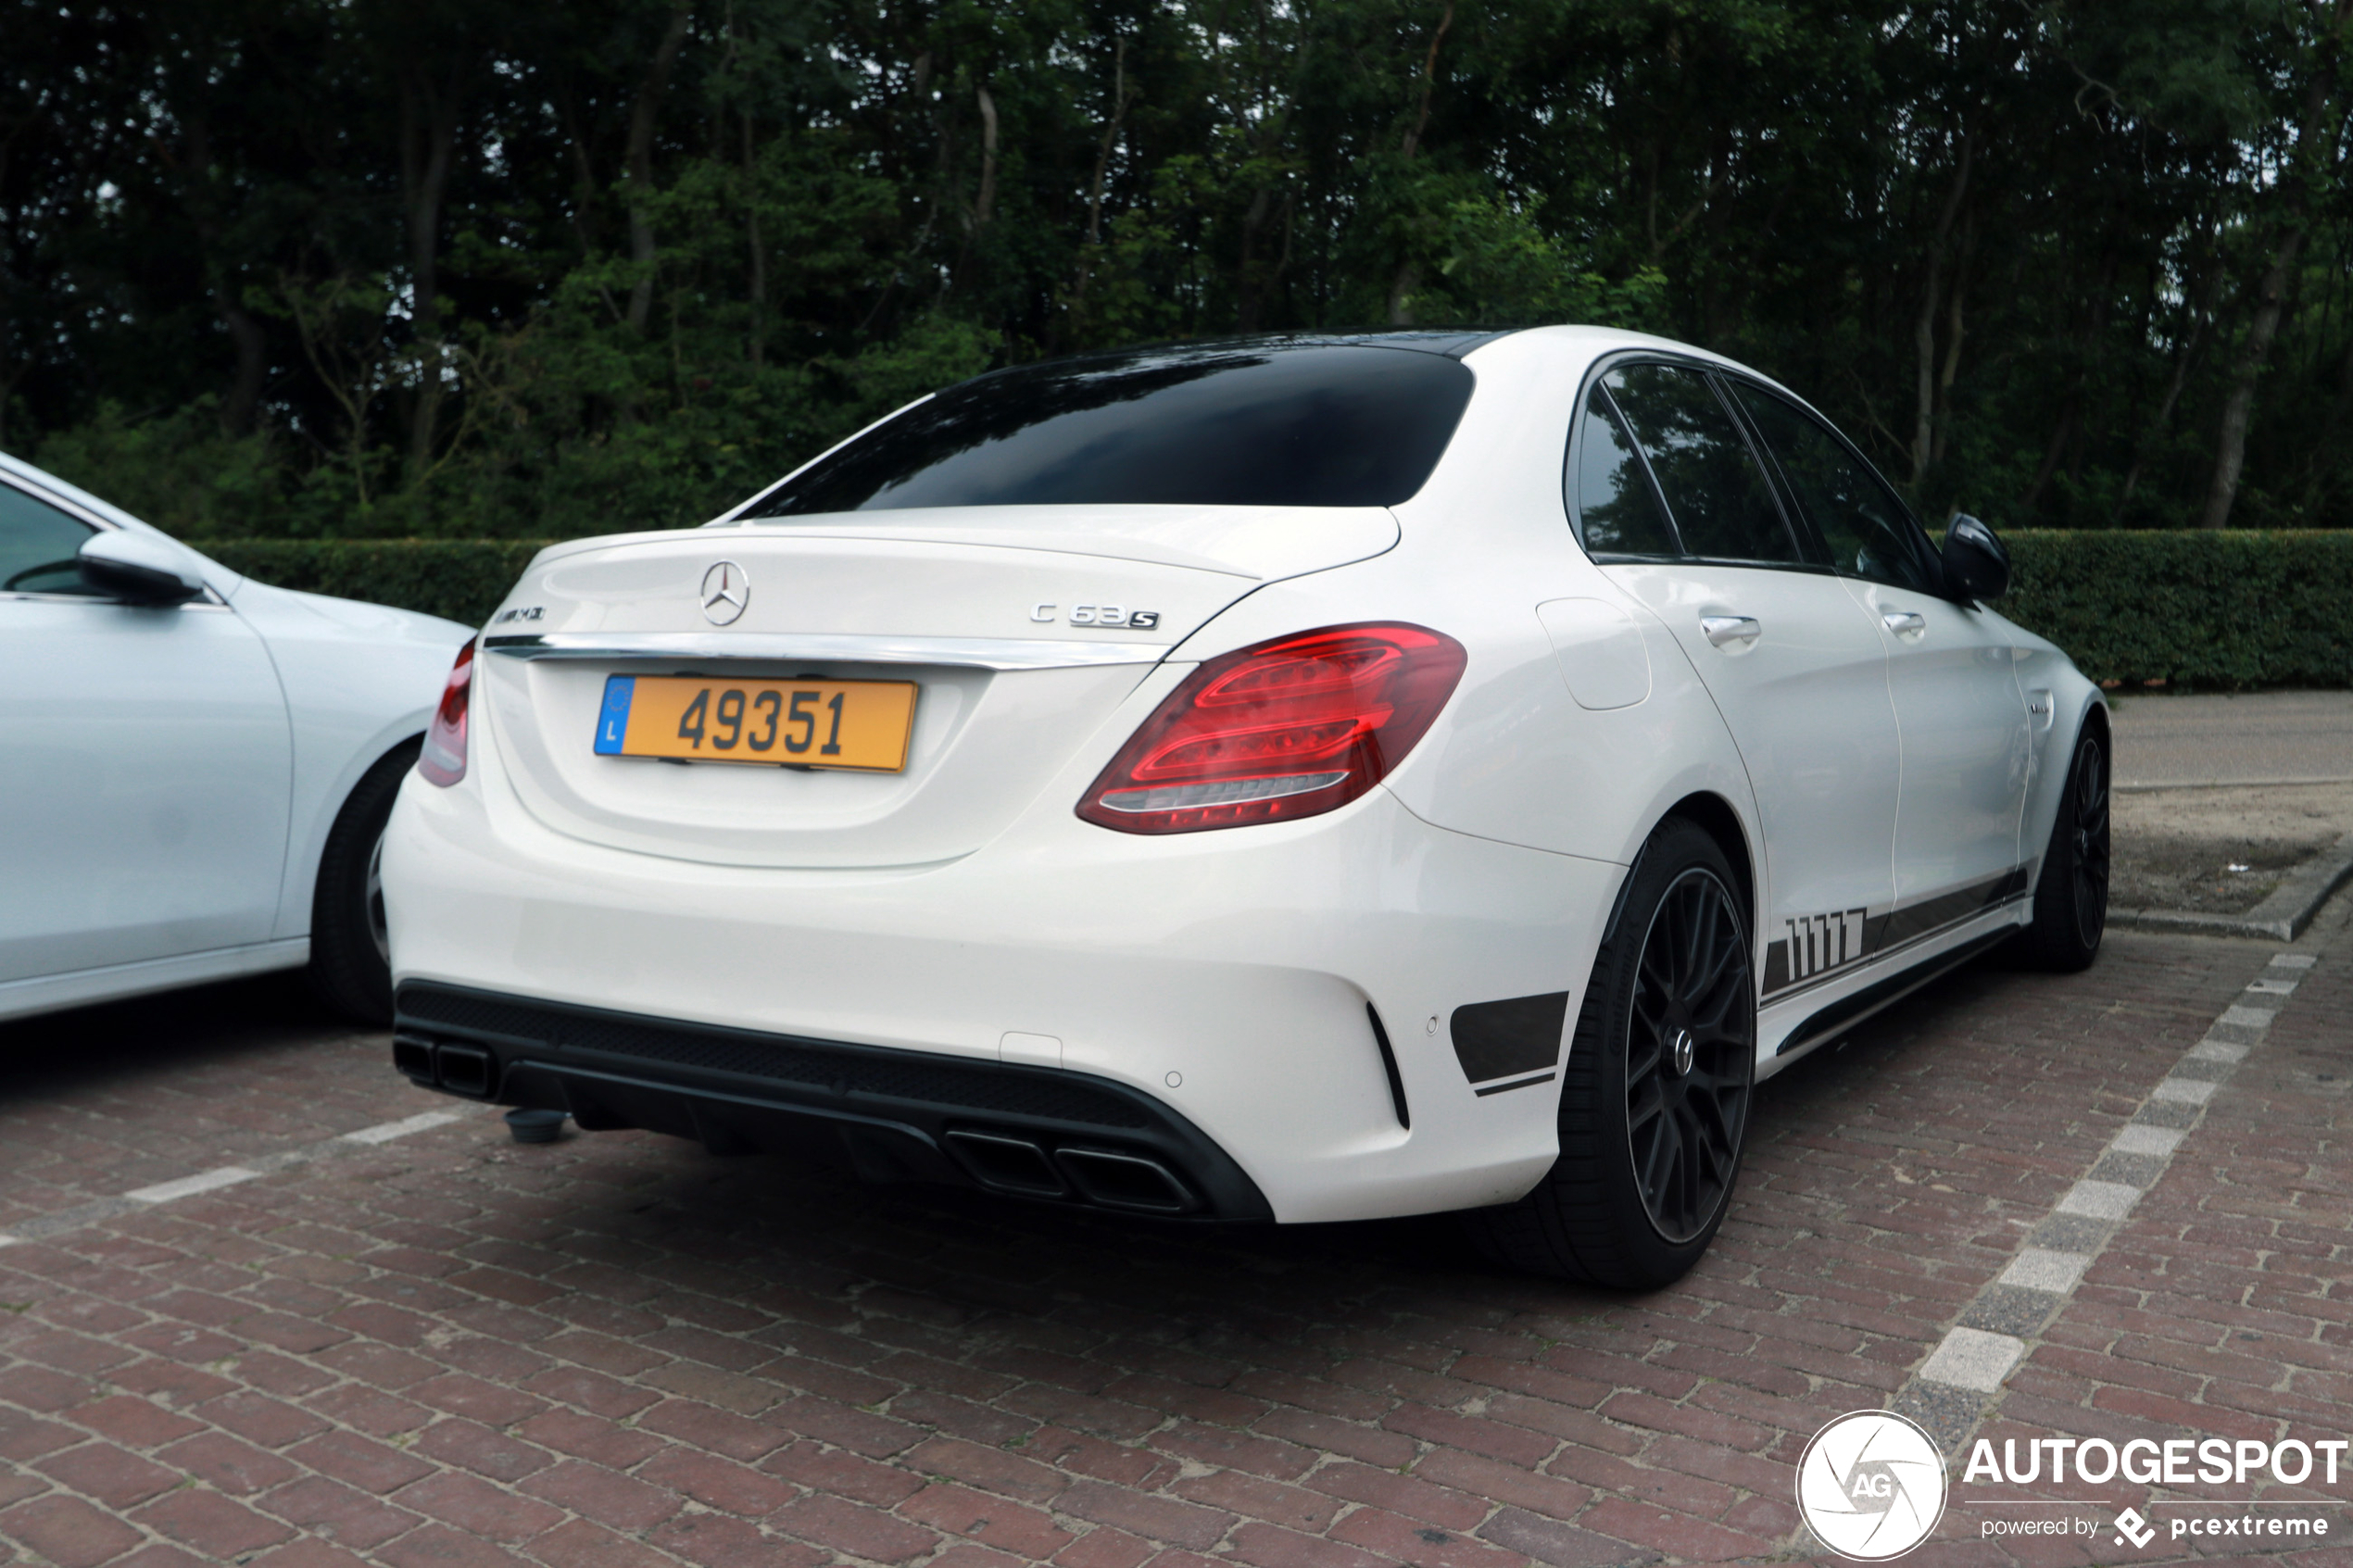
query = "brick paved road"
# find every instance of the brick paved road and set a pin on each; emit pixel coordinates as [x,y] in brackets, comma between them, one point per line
[447,1348]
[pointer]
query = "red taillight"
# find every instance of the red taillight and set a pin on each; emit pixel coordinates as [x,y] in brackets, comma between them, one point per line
[443,761]
[1288,729]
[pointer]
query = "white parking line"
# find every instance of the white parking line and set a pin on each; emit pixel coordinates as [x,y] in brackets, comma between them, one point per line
[188,1186]
[384,1132]
[41,1227]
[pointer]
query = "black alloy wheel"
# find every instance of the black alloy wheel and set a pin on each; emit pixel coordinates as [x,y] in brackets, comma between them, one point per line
[2070,898]
[1655,1089]
[1691,1047]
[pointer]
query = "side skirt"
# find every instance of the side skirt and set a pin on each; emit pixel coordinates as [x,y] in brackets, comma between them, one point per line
[53,993]
[1835,1018]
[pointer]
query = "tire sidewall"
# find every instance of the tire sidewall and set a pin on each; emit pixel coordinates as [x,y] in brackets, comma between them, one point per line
[1677,849]
[346,965]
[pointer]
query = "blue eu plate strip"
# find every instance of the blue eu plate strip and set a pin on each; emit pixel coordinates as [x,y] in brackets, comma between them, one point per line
[613,724]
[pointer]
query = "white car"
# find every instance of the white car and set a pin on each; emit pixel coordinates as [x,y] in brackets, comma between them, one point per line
[197,768]
[1302,779]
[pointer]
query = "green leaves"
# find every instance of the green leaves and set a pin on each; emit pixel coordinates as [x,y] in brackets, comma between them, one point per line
[501,267]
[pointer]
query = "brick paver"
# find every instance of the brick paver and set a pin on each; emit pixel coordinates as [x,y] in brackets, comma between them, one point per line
[617,1349]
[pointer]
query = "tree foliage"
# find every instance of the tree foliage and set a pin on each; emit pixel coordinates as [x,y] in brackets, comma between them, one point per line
[510,268]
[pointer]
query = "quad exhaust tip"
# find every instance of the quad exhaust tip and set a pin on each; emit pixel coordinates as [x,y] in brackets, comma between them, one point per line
[1111,1178]
[1007,1164]
[462,1070]
[1000,1161]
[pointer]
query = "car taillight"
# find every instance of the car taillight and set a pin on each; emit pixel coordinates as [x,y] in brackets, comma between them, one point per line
[443,761]
[1290,728]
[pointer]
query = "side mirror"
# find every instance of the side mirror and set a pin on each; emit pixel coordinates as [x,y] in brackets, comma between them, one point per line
[1977,564]
[136,570]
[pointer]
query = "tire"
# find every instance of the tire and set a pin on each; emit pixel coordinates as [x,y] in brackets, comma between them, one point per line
[350,961]
[2070,901]
[1615,1209]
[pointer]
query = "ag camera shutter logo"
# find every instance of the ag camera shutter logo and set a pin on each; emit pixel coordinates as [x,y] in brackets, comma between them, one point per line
[1871,1486]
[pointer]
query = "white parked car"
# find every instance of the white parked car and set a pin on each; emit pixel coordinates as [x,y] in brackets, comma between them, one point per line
[195,767]
[1302,779]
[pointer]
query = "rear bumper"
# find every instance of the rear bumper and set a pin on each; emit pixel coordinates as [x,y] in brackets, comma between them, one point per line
[1224,978]
[889,1115]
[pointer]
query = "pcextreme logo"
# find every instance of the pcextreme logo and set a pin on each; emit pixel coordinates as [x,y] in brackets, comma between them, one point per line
[1871,1486]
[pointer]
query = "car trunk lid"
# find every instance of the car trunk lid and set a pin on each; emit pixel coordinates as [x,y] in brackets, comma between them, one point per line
[1022,628]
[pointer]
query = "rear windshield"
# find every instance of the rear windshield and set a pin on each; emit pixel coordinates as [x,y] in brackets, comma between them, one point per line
[1328,425]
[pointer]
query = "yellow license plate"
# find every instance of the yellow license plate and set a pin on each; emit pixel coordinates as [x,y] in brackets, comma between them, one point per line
[807,723]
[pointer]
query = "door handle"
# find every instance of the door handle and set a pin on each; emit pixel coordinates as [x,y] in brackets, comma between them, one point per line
[1905,623]
[1723,629]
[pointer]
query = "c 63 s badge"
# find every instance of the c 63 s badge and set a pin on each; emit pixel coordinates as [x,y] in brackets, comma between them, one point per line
[1098,615]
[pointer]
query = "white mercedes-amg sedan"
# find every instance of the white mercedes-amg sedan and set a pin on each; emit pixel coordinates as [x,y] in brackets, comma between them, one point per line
[1295,779]
[195,767]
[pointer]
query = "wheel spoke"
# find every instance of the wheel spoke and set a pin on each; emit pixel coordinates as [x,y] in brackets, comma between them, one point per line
[1659,1168]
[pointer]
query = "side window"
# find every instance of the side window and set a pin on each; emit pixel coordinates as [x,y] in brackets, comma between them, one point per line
[1615,512]
[1723,508]
[1870,534]
[37,545]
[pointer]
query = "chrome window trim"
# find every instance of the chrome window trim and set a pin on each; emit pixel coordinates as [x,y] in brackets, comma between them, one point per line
[979,653]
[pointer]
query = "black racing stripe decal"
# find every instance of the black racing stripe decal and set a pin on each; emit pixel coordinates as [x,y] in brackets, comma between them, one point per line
[1950,908]
[1811,949]
[1522,1083]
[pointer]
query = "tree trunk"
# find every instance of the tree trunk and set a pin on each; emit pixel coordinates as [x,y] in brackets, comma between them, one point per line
[2201,316]
[1924,326]
[1959,294]
[1084,272]
[244,334]
[640,162]
[2068,430]
[759,257]
[1409,270]
[253,360]
[428,144]
[987,200]
[2270,296]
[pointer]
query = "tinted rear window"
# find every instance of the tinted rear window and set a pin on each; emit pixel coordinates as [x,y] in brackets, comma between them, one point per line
[1335,425]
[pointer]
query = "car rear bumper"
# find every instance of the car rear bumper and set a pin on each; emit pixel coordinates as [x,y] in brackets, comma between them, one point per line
[890,1115]
[1240,988]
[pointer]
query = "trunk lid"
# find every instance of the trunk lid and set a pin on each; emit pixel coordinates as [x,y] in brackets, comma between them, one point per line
[1022,628]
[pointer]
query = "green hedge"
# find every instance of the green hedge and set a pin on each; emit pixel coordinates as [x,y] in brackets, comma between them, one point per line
[463,579]
[2226,609]
[2222,609]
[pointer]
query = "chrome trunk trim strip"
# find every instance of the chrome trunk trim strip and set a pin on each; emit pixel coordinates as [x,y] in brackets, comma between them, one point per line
[978,653]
